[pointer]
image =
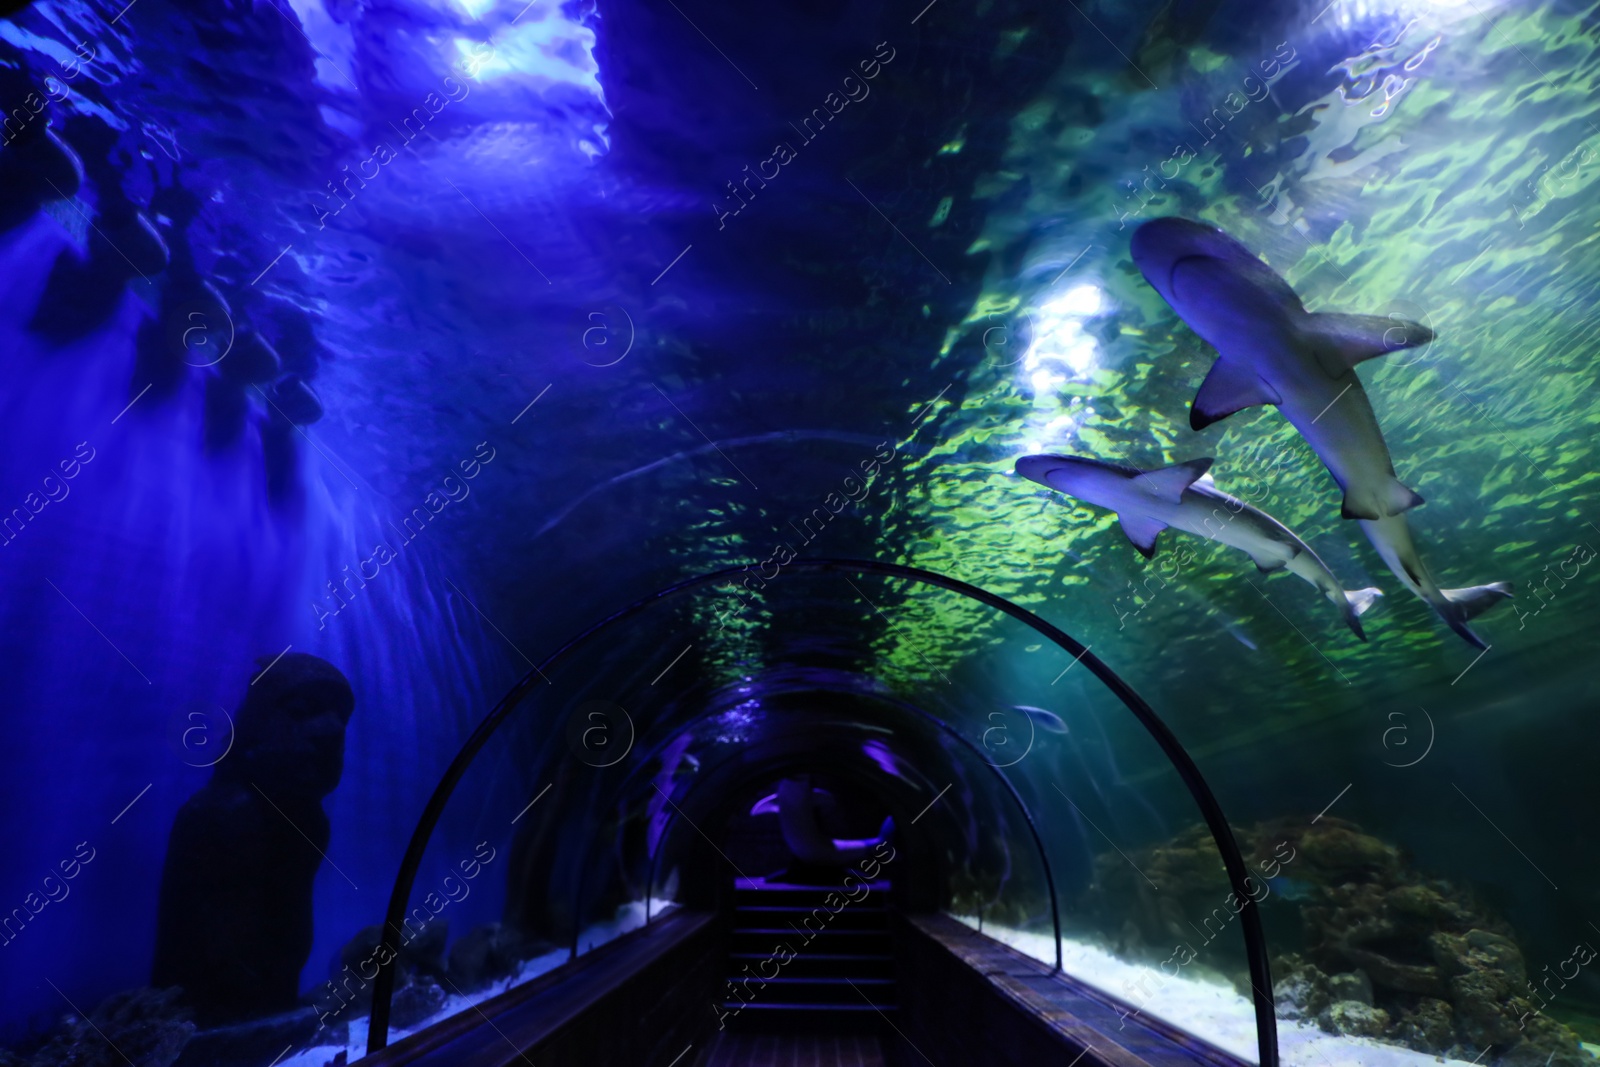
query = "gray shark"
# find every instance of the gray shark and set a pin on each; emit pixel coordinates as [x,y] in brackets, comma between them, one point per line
[1272,351]
[1184,497]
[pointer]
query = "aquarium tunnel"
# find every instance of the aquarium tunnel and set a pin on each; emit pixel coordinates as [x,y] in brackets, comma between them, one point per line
[945,532]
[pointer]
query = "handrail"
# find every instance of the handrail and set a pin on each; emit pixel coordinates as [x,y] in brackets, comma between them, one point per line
[1183,763]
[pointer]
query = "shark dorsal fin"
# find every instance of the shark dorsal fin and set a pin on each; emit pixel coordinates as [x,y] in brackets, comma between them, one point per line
[1347,340]
[1168,483]
[1142,531]
[1231,386]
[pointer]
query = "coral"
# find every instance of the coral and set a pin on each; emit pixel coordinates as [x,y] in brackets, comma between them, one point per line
[1389,953]
[1428,1026]
[487,953]
[1300,991]
[1354,1017]
[146,1026]
[414,1003]
[1354,986]
[1153,904]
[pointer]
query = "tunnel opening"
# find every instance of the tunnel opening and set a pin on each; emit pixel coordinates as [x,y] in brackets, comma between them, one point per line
[753,794]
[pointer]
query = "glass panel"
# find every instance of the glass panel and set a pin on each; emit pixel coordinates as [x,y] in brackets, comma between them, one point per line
[940,700]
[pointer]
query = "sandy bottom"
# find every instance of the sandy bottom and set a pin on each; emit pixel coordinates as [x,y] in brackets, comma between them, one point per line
[628,917]
[1209,1009]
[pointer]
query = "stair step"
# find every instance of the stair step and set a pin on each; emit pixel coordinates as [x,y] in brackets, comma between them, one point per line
[821,965]
[803,981]
[800,907]
[816,957]
[826,931]
[759,885]
[800,920]
[775,1006]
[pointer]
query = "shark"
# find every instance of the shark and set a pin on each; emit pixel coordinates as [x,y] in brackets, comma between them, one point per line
[1185,497]
[1271,350]
[798,808]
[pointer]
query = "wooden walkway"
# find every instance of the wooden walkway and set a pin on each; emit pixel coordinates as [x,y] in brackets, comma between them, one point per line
[793,1050]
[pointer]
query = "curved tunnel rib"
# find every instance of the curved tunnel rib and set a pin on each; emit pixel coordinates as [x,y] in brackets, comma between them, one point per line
[1011,791]
[1200,791]
[939,724]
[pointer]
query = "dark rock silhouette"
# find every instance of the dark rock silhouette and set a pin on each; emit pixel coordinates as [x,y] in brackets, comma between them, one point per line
[36,167]
[123,244]
[294,400]
[194,328]
[251,360]
[291,331]
[81,294]
[281,459]
[487,953]
[144,1026]
[420,968]
[226,412]
[234,926]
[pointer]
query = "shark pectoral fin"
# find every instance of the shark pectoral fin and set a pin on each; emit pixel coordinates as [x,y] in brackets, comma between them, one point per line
[1168,483]
[1397,498]
[1230,386]
[1476,600]
[1351,339]
[1268,564]
[1142,531]
[1362,599]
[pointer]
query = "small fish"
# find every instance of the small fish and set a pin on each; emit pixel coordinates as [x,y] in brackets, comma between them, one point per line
[1270,350]
[1184,496]
[768,805]
[879,753]
[1237,633]
[1048,721]
[798,821]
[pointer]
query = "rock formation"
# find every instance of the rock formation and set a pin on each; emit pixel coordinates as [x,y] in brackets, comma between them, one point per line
[1387,952]
[234,926]
[144,1026]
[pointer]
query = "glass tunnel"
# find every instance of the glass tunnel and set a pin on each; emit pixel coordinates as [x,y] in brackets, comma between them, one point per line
[651,532]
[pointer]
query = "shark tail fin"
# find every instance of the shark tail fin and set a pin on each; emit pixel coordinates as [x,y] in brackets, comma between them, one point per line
[1476,600]
[1357,601]
[1396,498]
[1454,620]
[1362,599]
[1456,606]
[1348,340]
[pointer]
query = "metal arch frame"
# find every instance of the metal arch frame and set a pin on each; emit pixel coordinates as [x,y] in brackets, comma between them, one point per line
[1011,790]
[620,792]
[1183,763]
